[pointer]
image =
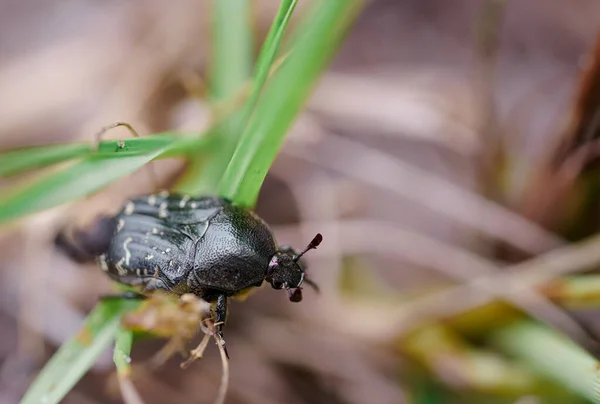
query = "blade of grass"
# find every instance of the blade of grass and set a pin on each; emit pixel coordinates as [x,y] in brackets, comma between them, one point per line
[231,67]
[315,43]
[577,291]
[122,359]
[444,351]
[77,355]
[20,160]
[16,161]
[553,356]
[232,42]
[122,352]
[76,181]
[267,55]
[88,175]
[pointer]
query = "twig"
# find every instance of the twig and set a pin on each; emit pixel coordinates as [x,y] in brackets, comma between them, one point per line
[128,391]
[515,281]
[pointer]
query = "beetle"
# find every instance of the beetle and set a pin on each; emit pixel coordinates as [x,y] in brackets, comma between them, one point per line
[206,246]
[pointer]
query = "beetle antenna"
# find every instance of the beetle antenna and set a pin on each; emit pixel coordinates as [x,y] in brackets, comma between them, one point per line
[312,245]
[294,296]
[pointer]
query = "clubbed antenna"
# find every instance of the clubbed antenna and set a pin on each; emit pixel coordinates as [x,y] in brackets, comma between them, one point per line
[312,245]
[295,295]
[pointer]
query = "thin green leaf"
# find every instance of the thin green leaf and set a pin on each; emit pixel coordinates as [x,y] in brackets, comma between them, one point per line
[284,96]
[230,70]
[16,161]
[20,160]
[232,43]
[122,352]
[135,146]
[90,174]
[205,179]
[268,53]
[77,355]
[74,182]
[122,359]
[553,356]
[576,291]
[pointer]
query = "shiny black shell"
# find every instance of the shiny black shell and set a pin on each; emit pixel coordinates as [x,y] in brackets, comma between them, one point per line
[183,244]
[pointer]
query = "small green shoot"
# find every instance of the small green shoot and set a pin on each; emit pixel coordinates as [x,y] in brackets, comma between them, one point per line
[74,182]
[97,169]
[552,355]
[122,352]
[77,355]
[282,99]
[208,177]
[30,158]
[230,68]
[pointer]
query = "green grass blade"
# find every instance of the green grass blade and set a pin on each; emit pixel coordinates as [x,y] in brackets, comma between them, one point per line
[122,352]
[232,43]
[20,160]
[76,356]
[135,146]
[553,356]
[76,181]
[122,359]
[286,92]
[575,292]
[90,174]
[268,53]
[230,69]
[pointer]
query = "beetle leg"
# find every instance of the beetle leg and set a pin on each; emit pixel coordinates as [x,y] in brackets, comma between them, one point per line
[84,246]
[221,311]
[129,295]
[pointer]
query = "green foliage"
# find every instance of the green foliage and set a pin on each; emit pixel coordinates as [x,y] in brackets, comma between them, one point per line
[78,354]
[552,355]
[263,120]
[90,171]
[122,352]
[230,69]
[203,178]
[82,177]
[313,47]
[29,158]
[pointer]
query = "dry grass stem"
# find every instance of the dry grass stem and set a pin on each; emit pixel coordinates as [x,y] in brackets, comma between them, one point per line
[421,250]
[515,280]
[128,391]
[389,173]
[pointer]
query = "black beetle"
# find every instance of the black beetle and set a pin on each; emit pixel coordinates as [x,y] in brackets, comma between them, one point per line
[206,246]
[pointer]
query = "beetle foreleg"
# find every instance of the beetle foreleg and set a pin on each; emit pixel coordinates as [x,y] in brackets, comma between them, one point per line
[221,311]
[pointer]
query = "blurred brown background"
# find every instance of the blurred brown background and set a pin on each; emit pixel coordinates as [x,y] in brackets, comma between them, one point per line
[384,162]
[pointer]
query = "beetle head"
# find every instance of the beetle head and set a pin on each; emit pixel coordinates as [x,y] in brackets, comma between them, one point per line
[286,271]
